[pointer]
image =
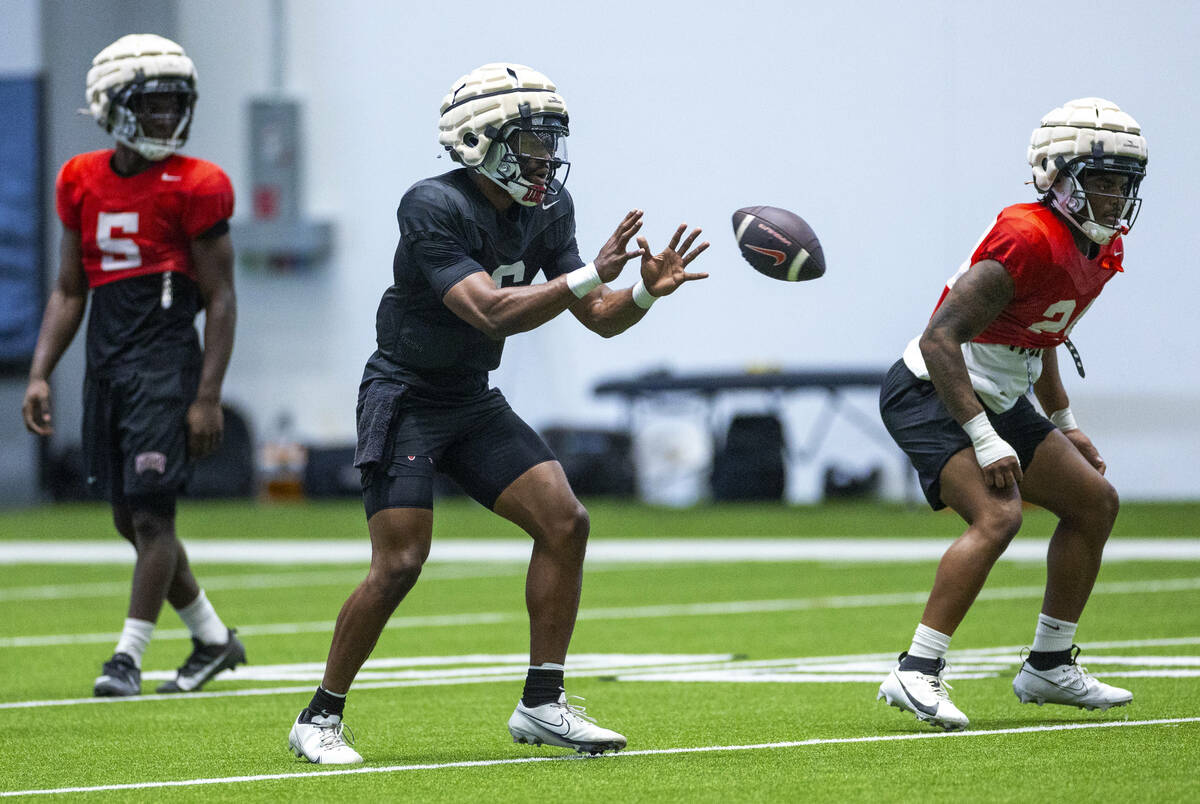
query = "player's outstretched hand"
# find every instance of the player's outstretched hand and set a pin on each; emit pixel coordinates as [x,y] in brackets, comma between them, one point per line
[662,273]
[613,256]
[36,408]
[206,426]
[1087,449]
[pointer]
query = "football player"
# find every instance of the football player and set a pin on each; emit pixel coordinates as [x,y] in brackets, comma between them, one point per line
[471,242]
[146,233]
[956,404]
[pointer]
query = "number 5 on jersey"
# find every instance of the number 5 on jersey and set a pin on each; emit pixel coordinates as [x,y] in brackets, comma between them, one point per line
[120,253]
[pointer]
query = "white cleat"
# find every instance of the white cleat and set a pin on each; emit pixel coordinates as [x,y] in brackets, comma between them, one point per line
[924,695]
[1068,684]
[562,724]
[322,740]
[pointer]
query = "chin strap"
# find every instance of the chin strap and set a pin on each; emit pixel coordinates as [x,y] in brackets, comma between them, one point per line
[1097,233]
[1074,355]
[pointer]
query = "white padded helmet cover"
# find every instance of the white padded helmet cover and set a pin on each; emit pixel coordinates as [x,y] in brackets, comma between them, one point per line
[485,99]
[1073,129]
[131,58]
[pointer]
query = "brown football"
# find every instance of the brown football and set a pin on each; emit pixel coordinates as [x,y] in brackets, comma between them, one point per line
[778,243]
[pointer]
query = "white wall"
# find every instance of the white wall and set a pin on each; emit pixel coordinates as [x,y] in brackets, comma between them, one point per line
[897,130]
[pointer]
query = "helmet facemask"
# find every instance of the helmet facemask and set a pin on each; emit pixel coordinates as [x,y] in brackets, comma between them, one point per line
[153,116]
[1117,196]
[526,157]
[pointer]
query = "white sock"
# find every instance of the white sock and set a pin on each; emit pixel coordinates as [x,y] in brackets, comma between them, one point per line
[1053,635]
[547,666]
[201,619]
[135,636]
[929,644]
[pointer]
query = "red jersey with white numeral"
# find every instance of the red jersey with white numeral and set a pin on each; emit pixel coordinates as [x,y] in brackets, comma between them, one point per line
[135,235]
[1053,285]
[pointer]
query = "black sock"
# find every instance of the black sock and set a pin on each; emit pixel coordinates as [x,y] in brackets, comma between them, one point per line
[1046,660]
[542,686]
[930,667]
[326,704]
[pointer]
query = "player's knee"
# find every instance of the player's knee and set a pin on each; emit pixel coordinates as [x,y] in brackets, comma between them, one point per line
[567,528]
[1108,503]
[1097,511]
[150,528]
[999,525]
[393,575]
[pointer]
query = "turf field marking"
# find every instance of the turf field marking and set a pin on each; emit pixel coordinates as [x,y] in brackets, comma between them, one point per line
[665,551]
[391,673]
[706,749]
[275,580]
[626,612]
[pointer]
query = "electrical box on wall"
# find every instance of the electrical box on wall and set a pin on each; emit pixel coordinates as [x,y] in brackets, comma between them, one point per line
[278,238]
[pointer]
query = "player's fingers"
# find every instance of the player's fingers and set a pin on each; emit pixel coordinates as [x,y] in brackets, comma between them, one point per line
[690,277]
[629,231]
[645,246]
[675,237]
[629,255]
[695,252]
[687,241]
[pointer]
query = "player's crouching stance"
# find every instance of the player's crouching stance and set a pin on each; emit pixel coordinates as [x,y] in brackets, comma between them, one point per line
[471,242]
[956,404]
[146,232]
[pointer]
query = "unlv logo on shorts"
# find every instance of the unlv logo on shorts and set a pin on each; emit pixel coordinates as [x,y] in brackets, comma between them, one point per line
[150,462]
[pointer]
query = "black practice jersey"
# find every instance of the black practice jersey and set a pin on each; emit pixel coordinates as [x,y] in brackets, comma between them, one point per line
[449,230]
[144,322]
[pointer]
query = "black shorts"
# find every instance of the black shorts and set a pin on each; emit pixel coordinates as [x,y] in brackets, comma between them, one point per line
[135,432]
[919,422]
[483,445]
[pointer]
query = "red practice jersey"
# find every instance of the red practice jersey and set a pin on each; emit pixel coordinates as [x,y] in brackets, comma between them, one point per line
[136,236]
[143,224]
[1053,285]
[1053,282]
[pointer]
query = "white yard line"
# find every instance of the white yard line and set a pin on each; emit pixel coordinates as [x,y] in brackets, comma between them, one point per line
[430,671]
[666,551]
[629,612]
[706,749]
[276,580]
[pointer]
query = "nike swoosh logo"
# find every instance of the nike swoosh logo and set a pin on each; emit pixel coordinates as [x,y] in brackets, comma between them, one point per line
[562,728]
[552,203]
[187,684]
[778,256]
[1055,627]
[169,177]
[926,708]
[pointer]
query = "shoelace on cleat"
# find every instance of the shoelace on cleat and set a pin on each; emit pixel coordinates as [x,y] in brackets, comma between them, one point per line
[577,710]
[939,685]
[331,736]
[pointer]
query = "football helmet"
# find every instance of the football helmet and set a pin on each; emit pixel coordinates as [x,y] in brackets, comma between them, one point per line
[123,77]
[1080,138]
[508,122]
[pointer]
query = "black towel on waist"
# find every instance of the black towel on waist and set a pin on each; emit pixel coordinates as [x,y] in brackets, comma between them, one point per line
[376,411]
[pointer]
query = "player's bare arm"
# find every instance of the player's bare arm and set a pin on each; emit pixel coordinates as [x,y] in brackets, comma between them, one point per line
[500,312]
[212,258]
[1052,396]
[608,312]
[64,312]
[972,303]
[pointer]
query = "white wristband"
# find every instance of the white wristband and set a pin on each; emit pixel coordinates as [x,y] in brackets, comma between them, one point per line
[989,447]
[642,297]
[1064,419]
[583,281]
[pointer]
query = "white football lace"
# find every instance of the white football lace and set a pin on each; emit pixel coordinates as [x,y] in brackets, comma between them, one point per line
[331,736]
[939,686]
[577,710]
